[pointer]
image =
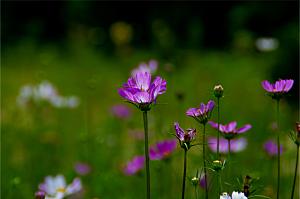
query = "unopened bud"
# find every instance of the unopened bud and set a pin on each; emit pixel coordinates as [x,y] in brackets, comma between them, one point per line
[218,91]
[40,195]
[217,165]
[195,181]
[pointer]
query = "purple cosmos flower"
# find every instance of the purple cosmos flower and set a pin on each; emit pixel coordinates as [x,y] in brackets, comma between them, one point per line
[140,91]
[151,67]
[229,130]
[271,148]
[184,138]
[236,145]
[162,149]
[135,165]
[56,187]
[202,113]
[279,88]
[121,111]
[82,168]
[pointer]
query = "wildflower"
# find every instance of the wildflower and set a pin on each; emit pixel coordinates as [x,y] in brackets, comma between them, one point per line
[185,138]
[236,145]
[151,68]
[141,92]
[121,111]
[56,187]
[82,168]
[162,149]
[279,88]
[45,92]
[271,148]
[135,165]
[203,113]
[229,130]
[218,91]
[235,195]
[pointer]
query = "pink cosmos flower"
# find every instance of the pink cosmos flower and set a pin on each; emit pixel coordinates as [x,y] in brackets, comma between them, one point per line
[236,145]
[279,88]
[135,165]
[140,91]
[162,149]
[201,113]
[230,130]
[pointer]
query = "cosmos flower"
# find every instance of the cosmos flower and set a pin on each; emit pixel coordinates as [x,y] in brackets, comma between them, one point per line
[235,195]
[56,187]
[45,92]
[184,138]
[135,165]
[236,145]
[271,148]
[82,168]
[279,88]
[151,67]
[229,130]
[202,113]
[140,91]
[121,111]
[162,149]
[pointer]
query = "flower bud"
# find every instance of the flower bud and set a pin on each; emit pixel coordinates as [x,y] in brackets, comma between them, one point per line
[218,91]
[298,133]
[195,181]
[217,165]
[40,195]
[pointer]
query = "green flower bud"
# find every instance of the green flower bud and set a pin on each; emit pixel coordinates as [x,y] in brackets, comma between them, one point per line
[218,91]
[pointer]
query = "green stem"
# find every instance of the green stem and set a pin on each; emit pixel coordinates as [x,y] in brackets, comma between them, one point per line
[204,162]
[196,192]
[218,142]
[147,153]
[278,152]
[295,175]
[229,147]
[220,182]
[184,174]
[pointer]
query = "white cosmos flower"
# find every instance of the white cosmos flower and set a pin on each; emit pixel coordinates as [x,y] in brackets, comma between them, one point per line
[235,195]
[56,187]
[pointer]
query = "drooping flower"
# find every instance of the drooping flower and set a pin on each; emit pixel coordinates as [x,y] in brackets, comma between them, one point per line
[121,111]
[279,88]
[202,113]
[56,187]
[235,195]
[271,148]
[184,137]
[135,165]
[151,67]
[162,149]
[140,91]
[229,130]
[236,145]
[82,168]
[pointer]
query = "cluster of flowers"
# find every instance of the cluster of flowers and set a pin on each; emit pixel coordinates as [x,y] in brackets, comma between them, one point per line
[45,92]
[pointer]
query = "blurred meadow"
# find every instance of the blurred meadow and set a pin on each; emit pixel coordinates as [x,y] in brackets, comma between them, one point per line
[88,50]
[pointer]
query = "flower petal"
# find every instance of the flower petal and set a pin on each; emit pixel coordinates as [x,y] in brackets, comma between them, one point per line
[179,131]
[193,112]
[125,93]
[230,127]
[142,97]
[267,86]
[288,85]
[210,105]
[143,80]
[213,124]
[244,128]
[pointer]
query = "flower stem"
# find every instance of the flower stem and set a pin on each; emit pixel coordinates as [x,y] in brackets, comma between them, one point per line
[220,182]
[147,153]
[278,152]
[204,162]
[218,142]
[295,175]
[184,174]
[196,192]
